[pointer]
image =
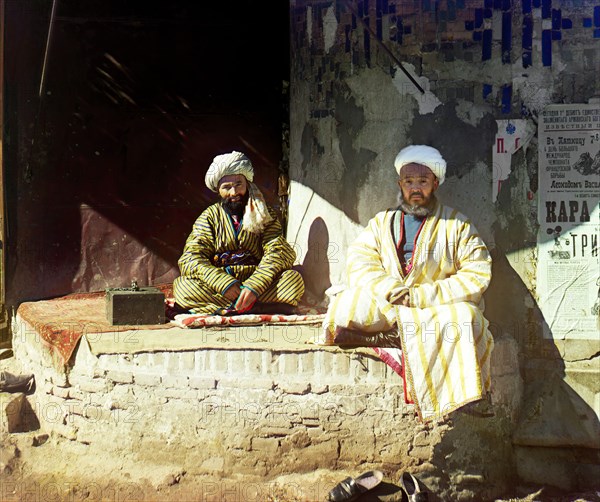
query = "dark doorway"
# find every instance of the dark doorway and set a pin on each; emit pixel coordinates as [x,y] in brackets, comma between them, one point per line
[104,168]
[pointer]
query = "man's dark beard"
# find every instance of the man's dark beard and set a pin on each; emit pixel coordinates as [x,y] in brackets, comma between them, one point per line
[237,207]
[420,211]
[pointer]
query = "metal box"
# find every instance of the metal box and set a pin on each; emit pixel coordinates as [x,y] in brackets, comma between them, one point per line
[135,306]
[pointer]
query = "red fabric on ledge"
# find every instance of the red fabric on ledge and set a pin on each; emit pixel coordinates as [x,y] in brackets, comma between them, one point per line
[61,322]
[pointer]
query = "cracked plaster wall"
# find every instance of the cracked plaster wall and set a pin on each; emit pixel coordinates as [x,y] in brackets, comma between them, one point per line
[353,108]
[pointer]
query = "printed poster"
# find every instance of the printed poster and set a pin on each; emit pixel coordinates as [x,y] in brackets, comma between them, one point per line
[568,272]
[512,135]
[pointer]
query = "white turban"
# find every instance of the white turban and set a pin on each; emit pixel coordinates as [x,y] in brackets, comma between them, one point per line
[256,215]
[424,155]
[227,165]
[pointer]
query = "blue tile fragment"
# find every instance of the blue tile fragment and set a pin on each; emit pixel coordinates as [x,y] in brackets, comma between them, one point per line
[506,5]
[487,13]
[367,46]
[546,9]
[587,22]
[506,98]
[526,6]
[486,50]
[477,36]
[399,30]
[556,35]
[488,4]
[556,19]
[460,4]
[567,24]
[537,3]
[547,47]
[479,18]
[526,59]
[597,16]
[527,39]
[469,25]
[451,5]
[487,90]
[506,37]
[597,33]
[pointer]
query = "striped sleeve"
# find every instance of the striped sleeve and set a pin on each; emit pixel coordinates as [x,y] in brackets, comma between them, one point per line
[473,273]
[278,256]
[195,262]
[365,267]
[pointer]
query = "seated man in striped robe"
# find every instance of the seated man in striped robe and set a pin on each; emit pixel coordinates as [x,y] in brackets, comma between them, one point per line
[236,259]
[421,269]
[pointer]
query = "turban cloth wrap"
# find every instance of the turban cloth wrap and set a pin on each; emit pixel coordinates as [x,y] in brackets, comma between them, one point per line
[424,155]
[256,214]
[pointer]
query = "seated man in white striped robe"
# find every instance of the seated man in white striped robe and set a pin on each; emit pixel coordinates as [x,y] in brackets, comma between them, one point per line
[421,269]
[236,259]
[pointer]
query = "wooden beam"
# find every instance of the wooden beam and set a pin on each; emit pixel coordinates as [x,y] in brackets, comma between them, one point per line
[3,316]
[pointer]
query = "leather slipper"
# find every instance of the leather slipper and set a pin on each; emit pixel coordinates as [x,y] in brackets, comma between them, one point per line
[412,488]
[352,488]
[16,383]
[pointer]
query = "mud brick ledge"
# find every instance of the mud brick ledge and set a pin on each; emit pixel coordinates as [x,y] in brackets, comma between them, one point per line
[238,409]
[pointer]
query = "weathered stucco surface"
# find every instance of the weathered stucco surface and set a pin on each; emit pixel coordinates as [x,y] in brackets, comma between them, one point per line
[353,108]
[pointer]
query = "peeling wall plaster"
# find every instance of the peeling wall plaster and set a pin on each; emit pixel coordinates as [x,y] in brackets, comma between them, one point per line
[330,26]
[427,101]
[470,113]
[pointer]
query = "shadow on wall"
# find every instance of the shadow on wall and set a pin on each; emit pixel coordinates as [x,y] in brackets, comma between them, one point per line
[539,431]
[315,267]
[552,415]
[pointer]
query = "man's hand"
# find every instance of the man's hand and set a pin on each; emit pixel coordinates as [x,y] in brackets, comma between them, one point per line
[233,293]
[245,301]
[403,300]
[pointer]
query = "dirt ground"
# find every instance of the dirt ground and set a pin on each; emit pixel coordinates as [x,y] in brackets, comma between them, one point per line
[37,467]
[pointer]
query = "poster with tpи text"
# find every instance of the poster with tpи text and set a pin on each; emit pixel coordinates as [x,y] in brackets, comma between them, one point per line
[568,272]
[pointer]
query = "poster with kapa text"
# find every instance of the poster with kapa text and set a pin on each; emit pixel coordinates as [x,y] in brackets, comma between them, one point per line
[568,271]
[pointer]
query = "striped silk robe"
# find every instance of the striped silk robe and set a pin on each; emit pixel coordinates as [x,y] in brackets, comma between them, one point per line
[201,286]
[445,342]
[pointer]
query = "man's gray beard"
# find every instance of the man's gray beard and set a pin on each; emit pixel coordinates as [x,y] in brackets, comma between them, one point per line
[420,211]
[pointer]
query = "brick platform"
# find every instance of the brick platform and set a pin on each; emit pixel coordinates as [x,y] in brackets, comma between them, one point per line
[264,410]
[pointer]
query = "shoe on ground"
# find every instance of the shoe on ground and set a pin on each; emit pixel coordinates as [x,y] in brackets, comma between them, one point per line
[16,383]
[350,489]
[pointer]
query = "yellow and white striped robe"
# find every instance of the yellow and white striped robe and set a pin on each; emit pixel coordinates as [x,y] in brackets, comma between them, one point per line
[201,285]
[444,336]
